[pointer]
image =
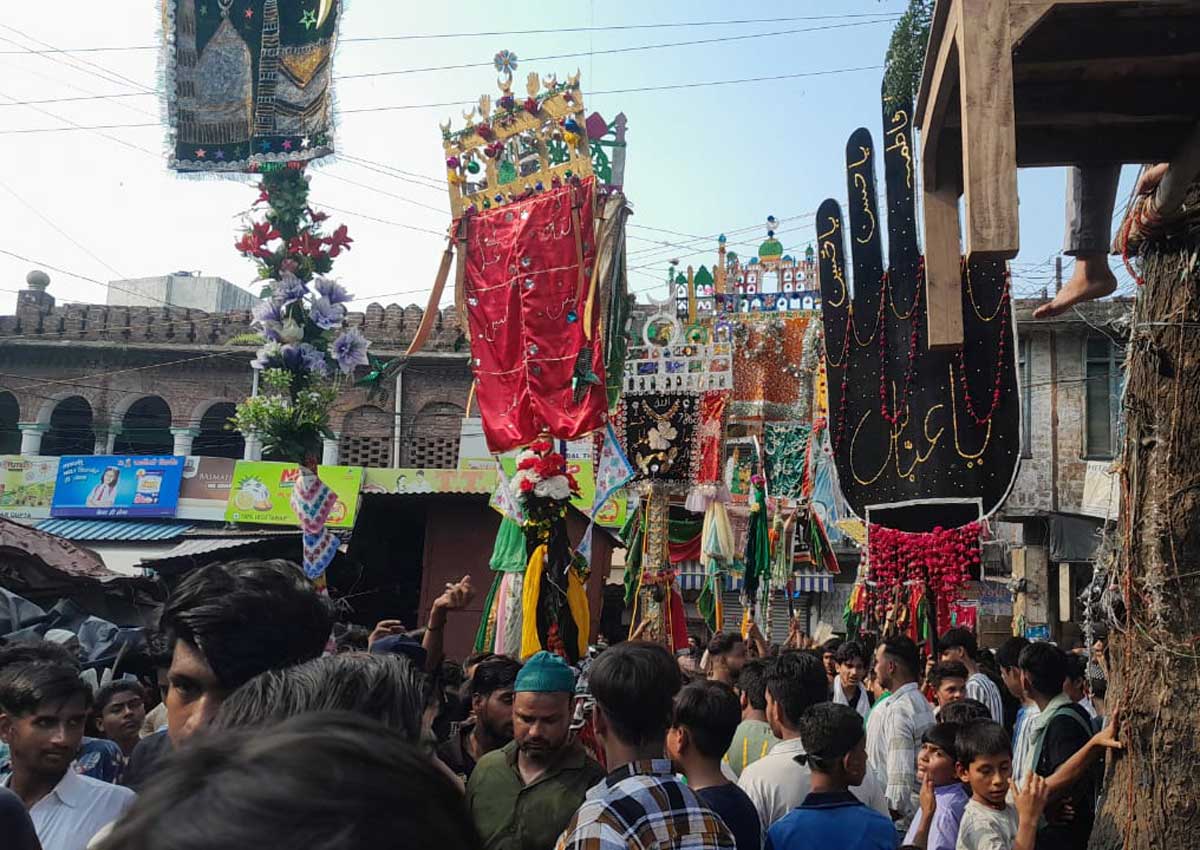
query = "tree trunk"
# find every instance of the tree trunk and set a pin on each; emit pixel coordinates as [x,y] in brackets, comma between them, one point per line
[1152,791]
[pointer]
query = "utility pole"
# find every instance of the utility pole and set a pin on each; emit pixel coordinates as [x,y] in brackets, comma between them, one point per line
[1058,273]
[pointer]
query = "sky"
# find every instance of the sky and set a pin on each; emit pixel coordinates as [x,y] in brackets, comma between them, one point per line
[701,160]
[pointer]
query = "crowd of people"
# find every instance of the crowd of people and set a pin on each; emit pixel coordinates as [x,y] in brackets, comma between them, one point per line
[267,737]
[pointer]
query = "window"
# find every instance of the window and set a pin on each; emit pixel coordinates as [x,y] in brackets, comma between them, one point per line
[1025,373]
[1102,398]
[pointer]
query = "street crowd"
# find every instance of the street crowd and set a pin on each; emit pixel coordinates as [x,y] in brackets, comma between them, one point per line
[272,733]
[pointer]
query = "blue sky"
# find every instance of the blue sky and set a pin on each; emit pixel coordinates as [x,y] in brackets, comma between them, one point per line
[701,160]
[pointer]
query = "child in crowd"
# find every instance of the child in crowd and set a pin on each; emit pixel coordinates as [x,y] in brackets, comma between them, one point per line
[705,717]
[989,821]
[964,711]
[943,796]
[835,748]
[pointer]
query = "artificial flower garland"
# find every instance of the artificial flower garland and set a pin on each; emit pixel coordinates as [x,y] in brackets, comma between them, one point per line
[940,560]
[305,350]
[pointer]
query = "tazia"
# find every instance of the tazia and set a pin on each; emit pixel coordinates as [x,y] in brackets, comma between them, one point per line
[350,350]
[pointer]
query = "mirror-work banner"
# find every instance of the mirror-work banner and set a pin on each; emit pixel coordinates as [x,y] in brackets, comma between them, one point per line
[249,82]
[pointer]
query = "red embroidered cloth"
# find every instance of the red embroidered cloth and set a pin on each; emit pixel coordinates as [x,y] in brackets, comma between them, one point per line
[525,315]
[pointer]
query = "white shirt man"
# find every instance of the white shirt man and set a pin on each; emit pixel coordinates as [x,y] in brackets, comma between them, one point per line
[776,784]
[76,809]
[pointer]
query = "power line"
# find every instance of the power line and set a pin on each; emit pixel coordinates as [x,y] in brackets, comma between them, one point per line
[619,50]
[494,33]
[445,104]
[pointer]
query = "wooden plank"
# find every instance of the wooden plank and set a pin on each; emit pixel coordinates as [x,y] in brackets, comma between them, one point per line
[943,277]
[989,131]
[931,69]
[1100,70]
[1054,146]
[942,94]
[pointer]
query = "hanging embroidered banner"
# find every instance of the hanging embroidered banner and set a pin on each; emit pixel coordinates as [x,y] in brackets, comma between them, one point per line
[786,458]
[769,381]
[527,271]
[709,460]
[660,435]
[249,84]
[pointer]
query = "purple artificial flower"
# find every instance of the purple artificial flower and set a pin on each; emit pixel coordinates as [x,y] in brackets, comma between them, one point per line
[313,360]
[290,355]
[268,317]
[331,289]
[267,356]
[350,350]
[288,289]
[326,315]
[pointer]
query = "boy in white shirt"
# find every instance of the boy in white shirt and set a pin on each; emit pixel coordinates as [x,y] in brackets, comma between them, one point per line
[989,821]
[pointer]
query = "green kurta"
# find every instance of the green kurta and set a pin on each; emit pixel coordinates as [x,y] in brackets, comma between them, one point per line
[511,815]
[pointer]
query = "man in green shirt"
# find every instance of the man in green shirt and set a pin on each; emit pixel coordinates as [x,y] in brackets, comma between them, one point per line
[523,795]
[753,738]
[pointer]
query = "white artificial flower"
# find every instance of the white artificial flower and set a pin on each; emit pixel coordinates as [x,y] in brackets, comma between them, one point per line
[290,331]
[660,436]
[555,488]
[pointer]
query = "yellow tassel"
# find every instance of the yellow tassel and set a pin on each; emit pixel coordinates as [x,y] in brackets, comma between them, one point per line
[530,642]
[577,601]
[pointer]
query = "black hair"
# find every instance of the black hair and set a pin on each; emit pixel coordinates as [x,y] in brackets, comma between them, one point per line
[796,681]
[37,651]
[635,684]
[946,670]
[955,638]
[248,617]
[1046,666]
[386,688]
[322,781]
[1076,667]
[752,682]
[832,645]
[723,642]
[944,736]
[964,711]
[1009,653]
[122,686]
[477,658]
[1098,687]
[828,731]
[849,651]
[902,650]
[495,674]
[981,738]
[711,713]
[26,685]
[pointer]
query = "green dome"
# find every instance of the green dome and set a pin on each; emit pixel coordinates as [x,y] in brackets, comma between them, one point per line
[771,248]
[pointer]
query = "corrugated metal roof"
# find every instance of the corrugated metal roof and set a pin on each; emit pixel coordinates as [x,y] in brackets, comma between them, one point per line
[188,548]
[102,529]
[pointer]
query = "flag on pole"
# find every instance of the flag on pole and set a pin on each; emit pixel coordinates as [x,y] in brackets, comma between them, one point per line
[503,499]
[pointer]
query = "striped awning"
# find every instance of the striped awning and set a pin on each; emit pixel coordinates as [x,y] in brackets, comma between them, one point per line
[104,529]
[812,582]
[691,577]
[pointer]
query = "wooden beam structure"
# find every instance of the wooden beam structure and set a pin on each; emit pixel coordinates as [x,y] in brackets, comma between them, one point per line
[1022,83]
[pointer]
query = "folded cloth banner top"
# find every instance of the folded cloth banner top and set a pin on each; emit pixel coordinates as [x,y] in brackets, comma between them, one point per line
[249,84]
[528,269]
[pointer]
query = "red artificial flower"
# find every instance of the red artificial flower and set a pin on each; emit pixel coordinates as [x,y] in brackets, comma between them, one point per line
[484,130]
[264,231]
[526,485]
[305,244]
[317,216]
[540,446]
[251,246]
[527,463]
[339,240]
[531,105]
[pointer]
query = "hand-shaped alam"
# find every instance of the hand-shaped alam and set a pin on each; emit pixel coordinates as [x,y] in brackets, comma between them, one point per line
[922,438]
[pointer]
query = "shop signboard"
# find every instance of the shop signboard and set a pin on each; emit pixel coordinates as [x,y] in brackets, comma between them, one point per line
[204,492]
[113,486]
[261,492]
[27,486]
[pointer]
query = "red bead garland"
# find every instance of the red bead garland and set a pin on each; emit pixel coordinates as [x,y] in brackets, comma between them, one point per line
[998,367]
